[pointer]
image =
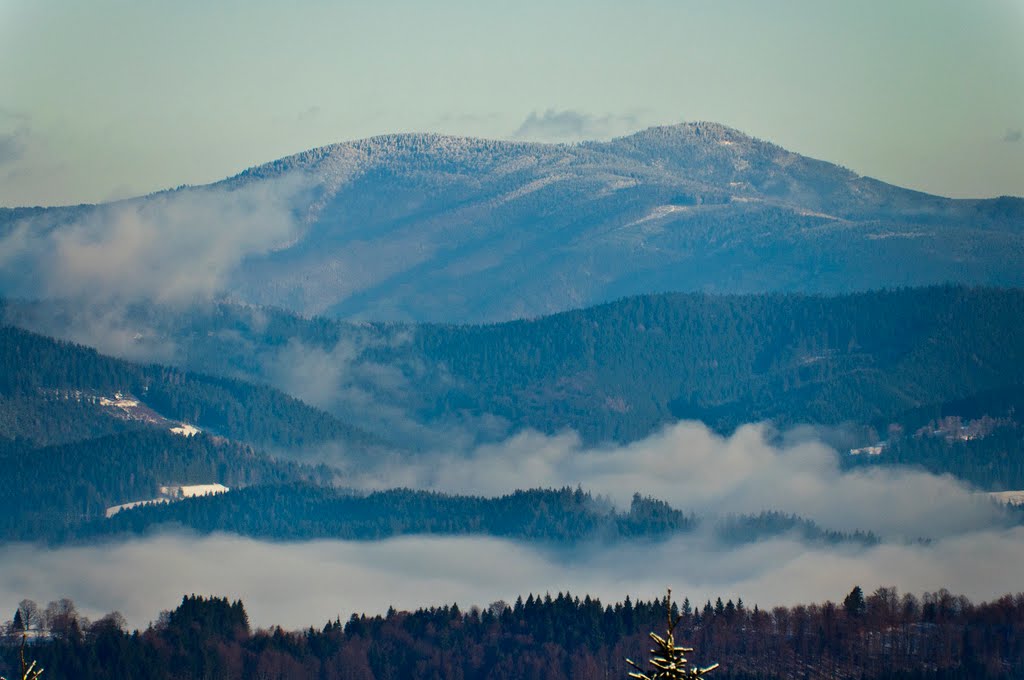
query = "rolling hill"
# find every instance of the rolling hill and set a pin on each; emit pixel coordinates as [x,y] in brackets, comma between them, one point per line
[55,392]
[621,370]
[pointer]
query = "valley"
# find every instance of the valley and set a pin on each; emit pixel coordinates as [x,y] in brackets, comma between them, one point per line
[472,368]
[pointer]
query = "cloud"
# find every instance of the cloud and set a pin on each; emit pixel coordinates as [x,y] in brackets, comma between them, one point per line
[340,379]
[696,469]
[121,192]
[310,114]
[13,145]
[569,125]
[296,584]
[1013,136]
[301,584]
[171,248]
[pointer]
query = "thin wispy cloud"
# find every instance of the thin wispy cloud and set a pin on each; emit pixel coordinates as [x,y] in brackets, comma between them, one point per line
[569,125]
[310,114]
[13,145]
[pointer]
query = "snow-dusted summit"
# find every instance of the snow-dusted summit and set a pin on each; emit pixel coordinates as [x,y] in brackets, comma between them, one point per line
[431,227]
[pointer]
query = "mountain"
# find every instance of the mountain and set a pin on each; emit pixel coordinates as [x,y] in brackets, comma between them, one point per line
[620,370]
[431,228]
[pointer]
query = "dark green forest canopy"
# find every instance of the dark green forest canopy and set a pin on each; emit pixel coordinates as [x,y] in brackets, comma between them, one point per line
[46,386]
[59,495]
[302,511]
[617,371]
[547,516]
[621,370]
[49,491]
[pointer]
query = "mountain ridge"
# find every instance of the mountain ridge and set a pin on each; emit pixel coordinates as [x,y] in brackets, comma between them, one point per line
[619,370]
[429,227]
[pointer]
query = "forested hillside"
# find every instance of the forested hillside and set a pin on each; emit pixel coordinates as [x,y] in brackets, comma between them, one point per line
[62,501]
[994,462]
[307,512]
[883,364]
[50,393]
[618,371]
[49,491]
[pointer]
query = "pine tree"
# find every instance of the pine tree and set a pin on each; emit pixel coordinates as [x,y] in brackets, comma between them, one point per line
[18,625]
[668,662]
[854,603]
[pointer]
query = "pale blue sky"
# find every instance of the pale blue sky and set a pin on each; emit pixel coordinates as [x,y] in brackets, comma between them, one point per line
[110,98]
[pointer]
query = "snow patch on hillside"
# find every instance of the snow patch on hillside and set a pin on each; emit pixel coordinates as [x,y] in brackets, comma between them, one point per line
[658,213]
[114,509]
[530,187]
[170,494]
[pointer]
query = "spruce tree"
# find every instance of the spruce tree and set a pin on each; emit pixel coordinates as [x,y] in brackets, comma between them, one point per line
[668,662]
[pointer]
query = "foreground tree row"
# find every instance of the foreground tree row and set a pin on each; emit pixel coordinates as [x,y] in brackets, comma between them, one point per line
[877,636]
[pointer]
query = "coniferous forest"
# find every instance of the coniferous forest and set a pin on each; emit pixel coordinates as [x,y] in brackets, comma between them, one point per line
[880,635]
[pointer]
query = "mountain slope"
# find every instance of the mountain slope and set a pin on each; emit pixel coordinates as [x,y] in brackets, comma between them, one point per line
[621,370]
[434,228]
[444,229]
[53,392]
[48,491]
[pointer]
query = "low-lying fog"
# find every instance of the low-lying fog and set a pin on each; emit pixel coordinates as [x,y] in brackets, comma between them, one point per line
[972,547]
[301,584]
[695,469]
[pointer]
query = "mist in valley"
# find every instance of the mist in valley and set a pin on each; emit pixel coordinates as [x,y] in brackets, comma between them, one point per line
[296,585]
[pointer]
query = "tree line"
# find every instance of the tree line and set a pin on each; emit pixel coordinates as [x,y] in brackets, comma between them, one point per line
[566,516]
[878,636]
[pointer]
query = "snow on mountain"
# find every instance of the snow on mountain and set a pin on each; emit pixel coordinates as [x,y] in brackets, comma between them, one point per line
[439,228]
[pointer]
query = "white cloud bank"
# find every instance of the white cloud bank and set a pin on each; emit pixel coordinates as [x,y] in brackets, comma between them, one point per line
[306,583]
[301,584]
[696,469]
[170,248]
